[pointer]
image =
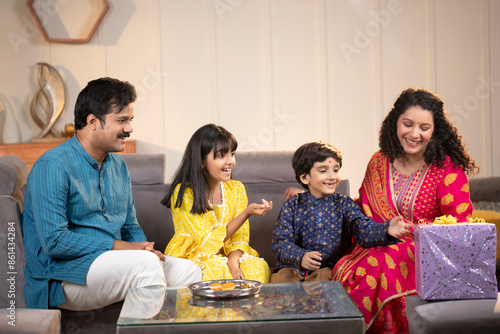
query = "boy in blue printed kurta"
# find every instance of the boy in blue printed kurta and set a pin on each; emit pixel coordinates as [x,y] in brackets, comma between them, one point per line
[315,228]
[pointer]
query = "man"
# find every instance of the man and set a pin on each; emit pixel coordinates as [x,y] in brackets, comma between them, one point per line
[84,246]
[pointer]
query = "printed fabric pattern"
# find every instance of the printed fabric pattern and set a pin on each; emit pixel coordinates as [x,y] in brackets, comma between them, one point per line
[200,237]
[379,278]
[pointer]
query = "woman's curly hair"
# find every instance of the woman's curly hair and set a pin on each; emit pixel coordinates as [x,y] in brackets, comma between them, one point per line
[445,139]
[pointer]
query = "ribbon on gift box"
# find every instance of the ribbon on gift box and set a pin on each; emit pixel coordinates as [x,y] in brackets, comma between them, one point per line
[450,220]
[445,220]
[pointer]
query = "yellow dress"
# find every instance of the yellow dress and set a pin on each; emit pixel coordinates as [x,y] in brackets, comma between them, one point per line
[199,237]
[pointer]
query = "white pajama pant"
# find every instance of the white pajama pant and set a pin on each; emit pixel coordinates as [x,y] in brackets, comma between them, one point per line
[114,272]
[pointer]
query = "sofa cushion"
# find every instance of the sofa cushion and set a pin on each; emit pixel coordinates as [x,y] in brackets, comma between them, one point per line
[485,189]
[145,168]
[453,316]
[486,205]
[264,166]
[13,174]
[31,321]
[492,217]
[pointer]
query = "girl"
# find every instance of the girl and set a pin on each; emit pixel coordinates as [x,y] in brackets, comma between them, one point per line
[210,211]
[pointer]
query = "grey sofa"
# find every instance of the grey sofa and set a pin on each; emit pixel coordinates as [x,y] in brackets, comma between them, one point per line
[265,175]
[15,317]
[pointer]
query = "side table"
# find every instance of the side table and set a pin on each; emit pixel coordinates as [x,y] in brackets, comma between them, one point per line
[30,152]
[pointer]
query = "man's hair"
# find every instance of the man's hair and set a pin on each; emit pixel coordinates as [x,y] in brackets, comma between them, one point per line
[101,97]
[308,154]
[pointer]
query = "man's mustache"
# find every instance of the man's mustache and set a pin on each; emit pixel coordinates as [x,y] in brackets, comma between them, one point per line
[124,135]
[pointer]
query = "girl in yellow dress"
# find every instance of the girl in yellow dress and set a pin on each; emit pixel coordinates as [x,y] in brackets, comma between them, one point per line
[210,210]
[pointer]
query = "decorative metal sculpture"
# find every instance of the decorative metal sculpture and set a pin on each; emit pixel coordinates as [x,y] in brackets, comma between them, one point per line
[48,102]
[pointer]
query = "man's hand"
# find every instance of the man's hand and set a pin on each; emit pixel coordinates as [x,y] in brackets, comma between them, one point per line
[398,228]
[292,191]
[137,245]
[311,261]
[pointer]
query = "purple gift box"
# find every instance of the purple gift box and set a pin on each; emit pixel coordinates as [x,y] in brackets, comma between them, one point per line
[456,261]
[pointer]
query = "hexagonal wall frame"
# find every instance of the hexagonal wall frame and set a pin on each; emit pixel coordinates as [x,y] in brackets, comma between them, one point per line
[38,21]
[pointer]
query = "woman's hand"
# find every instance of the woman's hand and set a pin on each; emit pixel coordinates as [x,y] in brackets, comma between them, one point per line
[292,191]
[398,228]
[260,209]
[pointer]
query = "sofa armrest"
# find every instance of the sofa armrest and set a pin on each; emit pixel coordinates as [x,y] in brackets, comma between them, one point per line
[13,174]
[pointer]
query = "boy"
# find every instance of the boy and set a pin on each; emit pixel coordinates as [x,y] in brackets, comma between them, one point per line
[315,228]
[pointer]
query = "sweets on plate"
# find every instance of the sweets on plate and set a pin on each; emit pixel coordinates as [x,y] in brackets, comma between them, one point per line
[228,286]
[216,286]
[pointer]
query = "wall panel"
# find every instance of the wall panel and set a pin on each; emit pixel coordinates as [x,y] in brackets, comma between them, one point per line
[297,35]
[354,85]
[243,80]
[276,73]
[494,86]
[461,69]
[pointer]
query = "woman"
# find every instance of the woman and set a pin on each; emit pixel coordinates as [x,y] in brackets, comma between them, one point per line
[210,210]
[419,173]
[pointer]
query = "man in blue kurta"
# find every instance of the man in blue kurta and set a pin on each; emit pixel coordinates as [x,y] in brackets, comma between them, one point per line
[315,228]
[84,246]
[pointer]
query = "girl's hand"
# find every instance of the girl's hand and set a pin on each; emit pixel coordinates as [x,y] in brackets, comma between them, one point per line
[260,209]
[398,228]
[234,266]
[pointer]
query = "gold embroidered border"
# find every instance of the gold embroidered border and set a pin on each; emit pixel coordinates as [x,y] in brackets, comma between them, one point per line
[404,294]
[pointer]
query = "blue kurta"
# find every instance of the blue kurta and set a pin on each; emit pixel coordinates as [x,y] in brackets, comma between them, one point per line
[326,225]
[72,214]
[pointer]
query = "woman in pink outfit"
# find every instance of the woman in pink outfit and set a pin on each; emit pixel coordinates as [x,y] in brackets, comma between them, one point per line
[419,173]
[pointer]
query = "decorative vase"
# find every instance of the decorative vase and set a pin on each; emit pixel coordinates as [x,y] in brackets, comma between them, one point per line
[48,102]
[11,134]
[2,119]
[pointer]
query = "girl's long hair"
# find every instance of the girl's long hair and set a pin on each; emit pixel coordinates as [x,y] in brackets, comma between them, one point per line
[445,140]
[191,172]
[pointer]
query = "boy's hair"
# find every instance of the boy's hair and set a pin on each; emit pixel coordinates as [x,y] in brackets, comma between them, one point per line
[304,158]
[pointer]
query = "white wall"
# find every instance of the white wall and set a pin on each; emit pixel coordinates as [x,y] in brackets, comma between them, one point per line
[276,73]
